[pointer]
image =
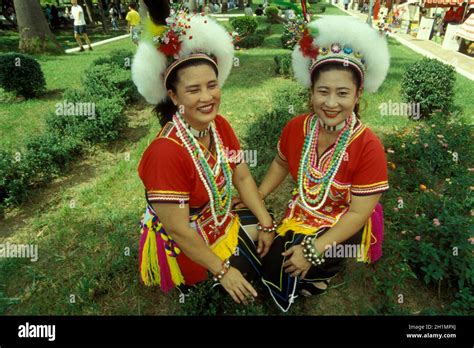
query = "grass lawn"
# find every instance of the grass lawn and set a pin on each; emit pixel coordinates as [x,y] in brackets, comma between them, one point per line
[88,250]
[20,120]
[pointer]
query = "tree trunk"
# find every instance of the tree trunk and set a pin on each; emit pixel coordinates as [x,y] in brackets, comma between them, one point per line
[103,16]
[241,4]
[225,6]
[143,12]
[89,10]
[33,28]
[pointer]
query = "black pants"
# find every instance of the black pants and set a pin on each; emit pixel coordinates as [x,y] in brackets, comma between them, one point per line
[282,287]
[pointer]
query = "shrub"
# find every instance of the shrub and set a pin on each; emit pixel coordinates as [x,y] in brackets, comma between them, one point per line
[107,80]
[431,84]
[109,121]
[272,13]
[48,154]
[21,74]
[263,134]
[283,65]
[251,41]
[102,125]
[263,30]
[244,25]
[14,177]
[428,208]
[121,58]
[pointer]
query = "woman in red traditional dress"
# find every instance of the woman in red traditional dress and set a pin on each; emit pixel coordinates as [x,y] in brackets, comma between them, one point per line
[337,162]
[189,227]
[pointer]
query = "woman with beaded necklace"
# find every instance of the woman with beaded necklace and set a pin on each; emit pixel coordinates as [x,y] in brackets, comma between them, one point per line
[337,162]
[188,170]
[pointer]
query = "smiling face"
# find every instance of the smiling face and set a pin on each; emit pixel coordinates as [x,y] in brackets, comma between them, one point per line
[197,91]
[334,95]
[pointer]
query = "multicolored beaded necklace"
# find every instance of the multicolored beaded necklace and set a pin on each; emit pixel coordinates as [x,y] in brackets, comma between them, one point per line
[314,197]
[220,201]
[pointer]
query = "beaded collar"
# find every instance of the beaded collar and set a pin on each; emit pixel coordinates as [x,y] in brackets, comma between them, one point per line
[337,127]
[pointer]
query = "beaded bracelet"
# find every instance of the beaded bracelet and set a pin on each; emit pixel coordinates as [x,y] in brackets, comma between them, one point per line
[266,229]
[224,270]
[309,251]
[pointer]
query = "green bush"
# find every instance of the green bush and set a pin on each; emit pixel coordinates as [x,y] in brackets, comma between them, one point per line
[263,30]
[14,177]
[264,133]
[283,65]
[21,74]
[244,26]
[271,12]
[428,209]
[431,84]
[121,58]
[107,80]
[109,121]
[251,41]
[103,124]
[48,155]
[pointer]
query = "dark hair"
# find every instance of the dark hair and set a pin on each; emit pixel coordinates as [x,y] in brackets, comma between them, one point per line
[159,10]
[336,66]
[133,5]
[165,111]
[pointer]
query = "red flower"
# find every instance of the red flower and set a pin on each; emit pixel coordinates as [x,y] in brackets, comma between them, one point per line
[171,45]
[307,47]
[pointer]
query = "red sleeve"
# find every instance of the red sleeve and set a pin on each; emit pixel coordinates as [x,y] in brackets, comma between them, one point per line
[165,171]
[283,142]
[371,176]
[230,141]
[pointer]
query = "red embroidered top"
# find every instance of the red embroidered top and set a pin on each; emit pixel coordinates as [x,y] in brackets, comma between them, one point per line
[168,172]
[363,171]
[170,176]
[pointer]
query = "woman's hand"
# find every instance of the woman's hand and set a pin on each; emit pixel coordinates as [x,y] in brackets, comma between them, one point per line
[297,264]
[237,203]
[265,241]
[237,286]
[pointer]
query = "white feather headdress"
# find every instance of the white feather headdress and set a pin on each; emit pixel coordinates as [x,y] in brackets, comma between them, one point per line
[192,36]
[347,40]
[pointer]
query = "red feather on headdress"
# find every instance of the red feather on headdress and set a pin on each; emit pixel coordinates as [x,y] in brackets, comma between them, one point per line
[307,47]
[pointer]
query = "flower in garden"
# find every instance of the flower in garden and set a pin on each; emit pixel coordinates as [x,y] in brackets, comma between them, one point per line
[471,240]
[422,187]
[472,212]
[436,222]
[418,238]
[425,145]
[389,150]
[416,215]
[395,209]
[402,146]
[403,232]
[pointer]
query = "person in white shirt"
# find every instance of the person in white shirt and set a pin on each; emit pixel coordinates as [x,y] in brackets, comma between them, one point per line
[80,27]
[248,10]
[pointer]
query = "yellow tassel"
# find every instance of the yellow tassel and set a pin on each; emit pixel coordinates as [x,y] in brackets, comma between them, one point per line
[295,226]
[226,246]
[366,236]
[176,275]
[150,270]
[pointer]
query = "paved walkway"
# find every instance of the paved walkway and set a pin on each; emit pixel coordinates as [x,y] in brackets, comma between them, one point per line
[463,64]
